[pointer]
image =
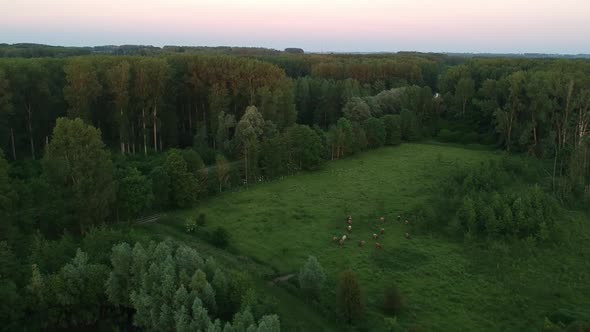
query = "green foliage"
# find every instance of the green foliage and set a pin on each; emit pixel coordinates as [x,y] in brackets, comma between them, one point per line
[80,171]
[134,194]
[392,300]
[393,133]
[219,237]
[375,131]
[304,146]
[160,187]
[410,127]
[184,187]
[357,110]
[312,277]
[350,302]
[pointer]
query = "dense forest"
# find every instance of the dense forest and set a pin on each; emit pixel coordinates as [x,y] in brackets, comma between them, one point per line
[90,143]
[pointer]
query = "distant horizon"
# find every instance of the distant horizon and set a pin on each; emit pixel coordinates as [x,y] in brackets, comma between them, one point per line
[294,46]
[341,26]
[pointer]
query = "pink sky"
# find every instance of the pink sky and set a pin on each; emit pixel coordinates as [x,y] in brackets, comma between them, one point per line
[320,25]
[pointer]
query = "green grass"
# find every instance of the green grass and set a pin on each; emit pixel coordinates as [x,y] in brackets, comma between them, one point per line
[447,286]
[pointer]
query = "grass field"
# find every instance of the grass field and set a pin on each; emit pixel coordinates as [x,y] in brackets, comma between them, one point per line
[448,286]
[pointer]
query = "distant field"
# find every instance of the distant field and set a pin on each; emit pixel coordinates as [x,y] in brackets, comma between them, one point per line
[447,288]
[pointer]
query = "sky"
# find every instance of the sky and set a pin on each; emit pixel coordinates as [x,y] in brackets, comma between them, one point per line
[496,26]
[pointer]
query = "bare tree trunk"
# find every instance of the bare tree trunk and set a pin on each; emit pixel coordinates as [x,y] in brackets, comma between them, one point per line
[554,168]
[12,143]
[144,132]
[155,114]
[246,163]
[29,116]
[464,106]
[190,119]
[122,141]
[133,135]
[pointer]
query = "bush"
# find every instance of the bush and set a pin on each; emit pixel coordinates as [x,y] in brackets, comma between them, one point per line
[392,300]
[445,135]
[190,225]
[470,137]
[349,297]
[201,220]
[219,237]
[312,277]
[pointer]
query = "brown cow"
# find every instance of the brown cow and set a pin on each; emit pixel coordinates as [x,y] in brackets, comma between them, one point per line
[378,245]
[382,231]
[375,236]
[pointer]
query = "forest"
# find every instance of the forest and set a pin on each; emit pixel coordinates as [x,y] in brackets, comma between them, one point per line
[93,146]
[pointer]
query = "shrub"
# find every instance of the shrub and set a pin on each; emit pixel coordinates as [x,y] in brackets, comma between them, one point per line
[219,237]
[190,225]
[312,277]
[349,297]
[392,300]
[201,220]
[445,135]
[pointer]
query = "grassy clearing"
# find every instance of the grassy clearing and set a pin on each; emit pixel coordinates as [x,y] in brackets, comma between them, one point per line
[447,286]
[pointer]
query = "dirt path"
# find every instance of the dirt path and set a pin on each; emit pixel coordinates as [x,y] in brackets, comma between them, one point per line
[281,279]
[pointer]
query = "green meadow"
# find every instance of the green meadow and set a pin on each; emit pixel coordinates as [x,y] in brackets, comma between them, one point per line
[447,285]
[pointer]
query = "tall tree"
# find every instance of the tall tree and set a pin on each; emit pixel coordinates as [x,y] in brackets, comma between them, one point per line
[219,103]
[349,295]
[464,92]
[222,170]
[30,92]
[82,88]
[507,116]
[79,167]
[248,133]
[6,110]
[118,79]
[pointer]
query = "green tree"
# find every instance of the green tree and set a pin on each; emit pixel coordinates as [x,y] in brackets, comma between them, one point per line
[160,187]
[464,92]
[222,168]
[184,187]
[80,170]
[248,134]
[30,93]
[118,81]
[304,147]
[312,277]
[375,131]
[468,215]
[6,108]
[356,110]
[410,127]
[393,131]
[134,193]
[219,102]
[222,137]
[349,296]
[82,88]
